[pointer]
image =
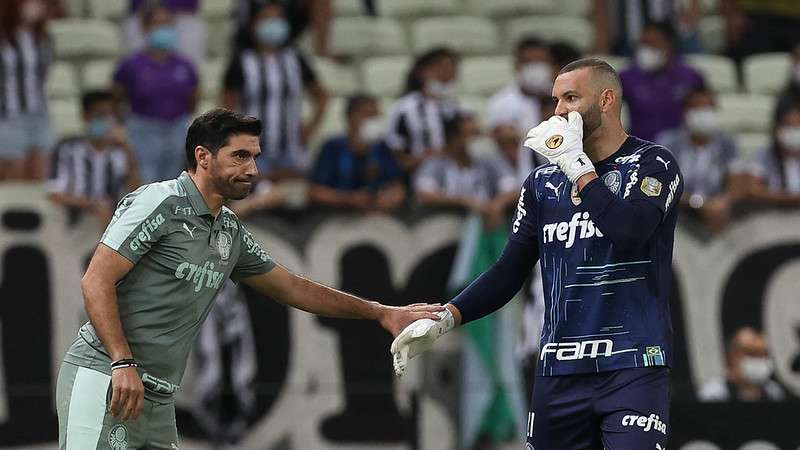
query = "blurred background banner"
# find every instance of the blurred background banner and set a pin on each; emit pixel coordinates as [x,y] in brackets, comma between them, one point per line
[324,383]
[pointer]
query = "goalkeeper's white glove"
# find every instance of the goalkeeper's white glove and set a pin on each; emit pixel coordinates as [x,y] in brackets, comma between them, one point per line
[560,140]
[417,338]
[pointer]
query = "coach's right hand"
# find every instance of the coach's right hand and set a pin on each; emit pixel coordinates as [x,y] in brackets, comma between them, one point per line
[127,395]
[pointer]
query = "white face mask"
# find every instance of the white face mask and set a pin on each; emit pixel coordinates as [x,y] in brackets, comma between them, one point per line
[702,121]
[536,77]
[371,130]
[789,138]
[441,90]
[650,58]
[756,370]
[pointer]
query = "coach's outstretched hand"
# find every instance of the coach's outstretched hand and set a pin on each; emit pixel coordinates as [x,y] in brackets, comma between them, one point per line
[560,140]
[419,337]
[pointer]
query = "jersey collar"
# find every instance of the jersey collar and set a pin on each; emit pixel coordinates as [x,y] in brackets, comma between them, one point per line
[195,198]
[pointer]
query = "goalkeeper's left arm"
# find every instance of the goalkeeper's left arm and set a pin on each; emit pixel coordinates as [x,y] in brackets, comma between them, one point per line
[491,291]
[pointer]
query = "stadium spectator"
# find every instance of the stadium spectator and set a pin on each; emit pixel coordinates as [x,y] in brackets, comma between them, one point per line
[618,24]
[708,159]
[518,106]
[777,168]
[268,82]
[26,133]
[658,81]
[453,179]
[760,26]
[356,170]
[416,120]
[300,15]
[563,53]
[749,375]
[791,92]
[91,172]
[161,89]
[190,26]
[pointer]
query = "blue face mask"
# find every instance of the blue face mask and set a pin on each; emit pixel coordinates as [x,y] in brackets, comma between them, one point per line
[99,127]
[273,32]
[164,37]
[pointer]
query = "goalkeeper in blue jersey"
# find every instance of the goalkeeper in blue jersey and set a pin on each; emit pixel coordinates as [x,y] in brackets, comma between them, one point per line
[601,219]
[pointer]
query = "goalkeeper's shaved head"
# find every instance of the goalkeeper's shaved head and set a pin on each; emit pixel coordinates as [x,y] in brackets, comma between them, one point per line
[603,76]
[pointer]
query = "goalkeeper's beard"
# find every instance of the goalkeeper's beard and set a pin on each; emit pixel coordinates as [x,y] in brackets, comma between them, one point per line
[592,119]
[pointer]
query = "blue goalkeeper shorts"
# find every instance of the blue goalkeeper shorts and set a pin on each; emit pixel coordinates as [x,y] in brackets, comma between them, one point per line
[624,409]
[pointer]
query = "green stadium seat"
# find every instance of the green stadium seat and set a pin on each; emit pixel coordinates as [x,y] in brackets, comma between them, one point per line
[214,9]
[97,74]
[574,7]
[477,105]
[346,8]
[417,8]
[332,124]
[85,38]
[749,143]
[712,34]
[62,81]
[573,30]
[108,9]
[384,76]
[211,74]
[339,79]
[485,75]
[66,115]
[74,8]
[719,71]
[746,112]
[365,36]
[464,34]
[220,38]
[767,73]
[497,8]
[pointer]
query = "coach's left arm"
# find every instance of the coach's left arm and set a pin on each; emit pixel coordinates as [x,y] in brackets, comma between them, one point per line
[293,290]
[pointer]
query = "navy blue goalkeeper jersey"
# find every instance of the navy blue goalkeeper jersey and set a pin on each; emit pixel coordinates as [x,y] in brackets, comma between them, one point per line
[606,308]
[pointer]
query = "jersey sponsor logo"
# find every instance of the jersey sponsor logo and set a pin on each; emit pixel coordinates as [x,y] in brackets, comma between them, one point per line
[673,186]
[555,189]
[613,181]
[651,187]
[628,159]
[253,248]
[554,141]
[189,231]
[631,181]
[118,437]
[568,231]
[200,276]
[572,351]
[665,163]
[647,423]
[224,242]
[521,213]
[149,226]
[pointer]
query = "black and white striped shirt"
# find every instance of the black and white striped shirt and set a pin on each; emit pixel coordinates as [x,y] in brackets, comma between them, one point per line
[23,72]
[416,123]
[271,88]
[83,171]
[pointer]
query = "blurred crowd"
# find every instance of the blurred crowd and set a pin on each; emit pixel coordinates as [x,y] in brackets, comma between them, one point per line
[427,147]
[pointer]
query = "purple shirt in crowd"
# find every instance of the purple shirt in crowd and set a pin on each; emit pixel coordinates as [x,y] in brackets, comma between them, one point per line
[157,89]
[190,6]
[655,99]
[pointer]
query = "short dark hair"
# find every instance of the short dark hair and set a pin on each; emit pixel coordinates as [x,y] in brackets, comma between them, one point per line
[432,56]
[454,127]
[356,101]
[701,89]
[529,42]
[150,8]
[213,128]
[91,98]
[596,65]
[665,28]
